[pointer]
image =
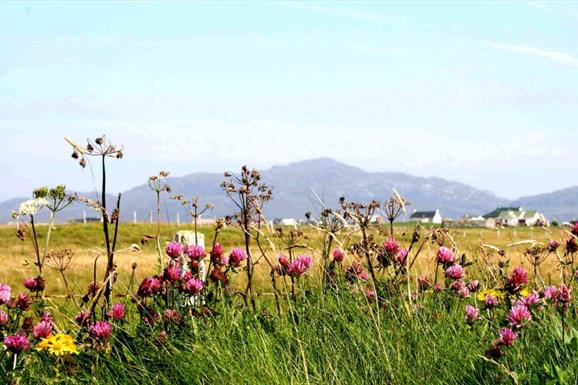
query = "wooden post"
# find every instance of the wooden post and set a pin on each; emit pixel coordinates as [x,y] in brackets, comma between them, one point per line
[178,219]
[134,217]
[84,217]
[151,217]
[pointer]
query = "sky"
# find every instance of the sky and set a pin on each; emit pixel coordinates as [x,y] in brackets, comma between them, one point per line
[482,93]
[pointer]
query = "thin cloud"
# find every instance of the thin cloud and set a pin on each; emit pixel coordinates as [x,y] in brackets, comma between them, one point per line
[557,57]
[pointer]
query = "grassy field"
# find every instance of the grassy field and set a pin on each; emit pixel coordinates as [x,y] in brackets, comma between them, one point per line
[87,243]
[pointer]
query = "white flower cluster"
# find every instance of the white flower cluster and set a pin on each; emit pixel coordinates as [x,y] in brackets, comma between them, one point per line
[31,207]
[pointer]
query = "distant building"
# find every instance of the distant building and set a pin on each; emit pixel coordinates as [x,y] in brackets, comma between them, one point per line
[285,222]
[515,216]
[426,217]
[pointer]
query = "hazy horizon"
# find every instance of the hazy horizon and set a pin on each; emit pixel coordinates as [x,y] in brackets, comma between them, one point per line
[480,93]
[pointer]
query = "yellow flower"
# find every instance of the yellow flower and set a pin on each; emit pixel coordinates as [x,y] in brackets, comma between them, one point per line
[525,292]
[485,292]
[58,344]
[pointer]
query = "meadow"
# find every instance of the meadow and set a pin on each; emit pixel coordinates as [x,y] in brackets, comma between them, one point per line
[337,301]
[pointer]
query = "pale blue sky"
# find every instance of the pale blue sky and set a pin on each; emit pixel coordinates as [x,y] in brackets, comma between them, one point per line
[483,93]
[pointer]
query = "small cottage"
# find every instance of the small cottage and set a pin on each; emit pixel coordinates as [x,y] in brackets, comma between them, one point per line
[426,216]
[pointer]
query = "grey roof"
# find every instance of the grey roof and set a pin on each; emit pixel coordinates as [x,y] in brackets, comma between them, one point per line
[423,214]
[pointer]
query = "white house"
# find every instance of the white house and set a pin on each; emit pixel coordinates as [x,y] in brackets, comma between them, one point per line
[285,222]
[516,216]
[426,216]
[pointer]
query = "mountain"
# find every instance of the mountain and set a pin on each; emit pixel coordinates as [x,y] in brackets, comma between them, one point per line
[561,205]
[293,193]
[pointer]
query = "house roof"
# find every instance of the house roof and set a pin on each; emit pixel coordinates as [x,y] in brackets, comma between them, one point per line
[498,212]
[423,214]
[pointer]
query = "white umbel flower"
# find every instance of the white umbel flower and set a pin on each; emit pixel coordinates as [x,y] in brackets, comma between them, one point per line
[31,207]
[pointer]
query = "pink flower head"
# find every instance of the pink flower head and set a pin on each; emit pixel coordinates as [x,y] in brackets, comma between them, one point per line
[174,249]
[171,315]
[338,255]
[464,292]
[549,292]
[455,272]
[438,288]
[518,278]
[553,244]
[82,317]
[283,261]
[42,330]
[3,318]
[149,286]
[172,272]
[195,252]
[445,255]
[472,314]
[457,285]
[423,282]
[34,284]
[218,256]
[391,246]
[101,330]
[474,285]
[17,343]
[563,294]
[236,257]
[117,312]
[193,286]
[46,316]
[5,293]
[370,295]
[299,266]
[402,256]
[490,301]
[519,315]
[23,301]
[532,300]
[356,272]
[507,336]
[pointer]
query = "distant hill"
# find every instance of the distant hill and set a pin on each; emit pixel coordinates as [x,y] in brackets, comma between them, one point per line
[561,205]
[293,196]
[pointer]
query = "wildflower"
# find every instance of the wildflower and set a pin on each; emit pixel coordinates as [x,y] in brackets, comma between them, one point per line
[464,292]
[356,272]
[299,266]
[563,296]
[455,272]
[101,330]
[445,256]
[149,286]
[474,285]
[82,317]
[370,295]
[438,288]
[34,284]
[236,257]
[402,256]
[481,296]
[172,316]
[58,345]
[46,316]
[490,301]
[457,285]
[193,286]
[283,261]
[391,246]
[3,318]
[519,315]
[218,275]
[172,272]
[531,300]
[574,229]
[571,245]
[174,249]
[5,293]
[195,252]
[23,302]
[31,207]
[553,245]
[549,292]
[217,255]
[42,330]
[338,255]
[518,278]
[423,282]
[93,288]
[17,343]
[507,336]
[472,314]
[151,317]
[117,312]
